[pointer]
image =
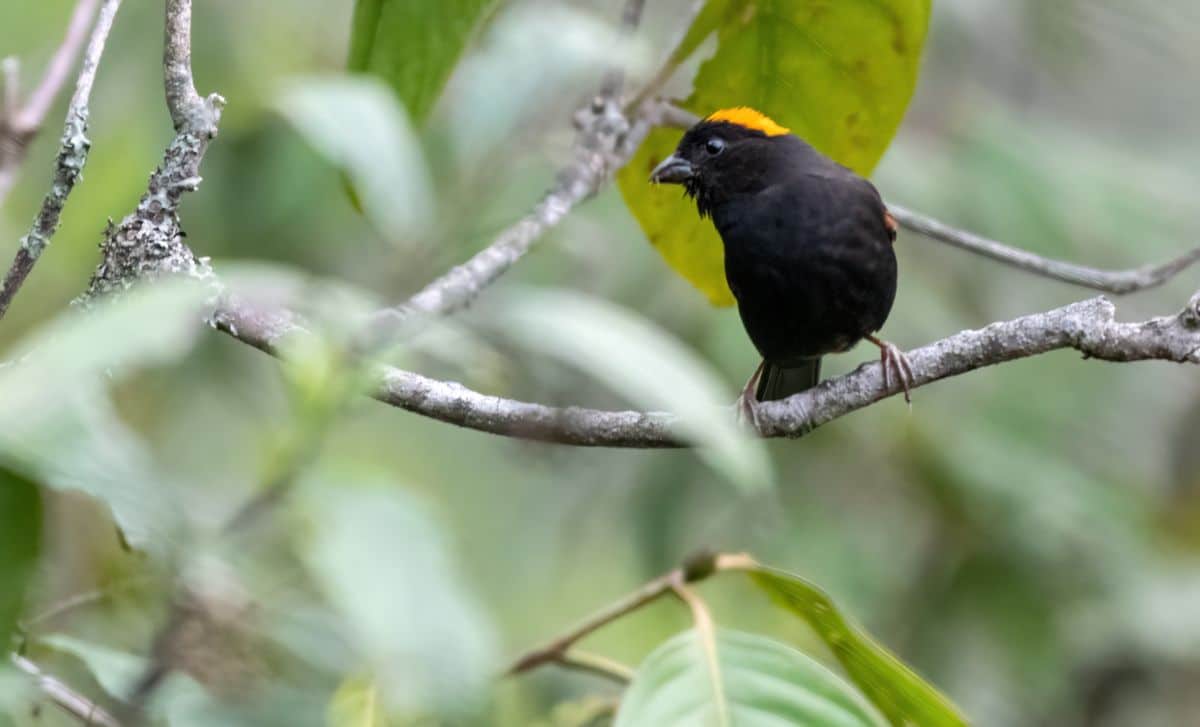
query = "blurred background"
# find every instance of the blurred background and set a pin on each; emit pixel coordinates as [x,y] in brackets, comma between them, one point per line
[1028,536]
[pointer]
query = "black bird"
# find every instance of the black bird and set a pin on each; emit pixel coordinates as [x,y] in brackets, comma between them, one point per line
[808,247]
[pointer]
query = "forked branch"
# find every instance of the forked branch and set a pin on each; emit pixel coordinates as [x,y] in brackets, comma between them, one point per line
[68,166]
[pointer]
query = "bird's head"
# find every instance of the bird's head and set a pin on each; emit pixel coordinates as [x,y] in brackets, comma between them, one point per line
[727,153]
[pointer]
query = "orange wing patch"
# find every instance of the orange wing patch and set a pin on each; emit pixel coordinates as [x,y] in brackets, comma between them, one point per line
[749,118]
[890,223]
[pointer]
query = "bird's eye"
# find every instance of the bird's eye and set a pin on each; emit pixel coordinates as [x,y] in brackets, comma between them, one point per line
[714,146]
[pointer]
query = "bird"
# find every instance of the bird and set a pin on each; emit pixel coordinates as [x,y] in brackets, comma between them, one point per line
[808,247]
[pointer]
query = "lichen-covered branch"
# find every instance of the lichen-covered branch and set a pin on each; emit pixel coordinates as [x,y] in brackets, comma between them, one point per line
[190,113]
[606,139]
[20,123]
[148,243]
[1116,282]
[1089,326]
[68,165]
[605,142]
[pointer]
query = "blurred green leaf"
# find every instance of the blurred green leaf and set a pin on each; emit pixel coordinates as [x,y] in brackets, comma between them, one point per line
[149,325]
[754,682]
[115,671]
[181,699]
[839,75]
[58,424]
[20,543]
[896,690]
[383,564]
[639,361]
[356,703]
[414,46]
[358,125]
[489,130]
[84,446]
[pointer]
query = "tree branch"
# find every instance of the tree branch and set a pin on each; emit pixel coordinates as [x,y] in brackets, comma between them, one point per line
[1116,282]
[149,241]
[554,651]
[695,568]
[67,699]
[605,142]
[68,166]
[20,125]
[191,114]
[1088,326]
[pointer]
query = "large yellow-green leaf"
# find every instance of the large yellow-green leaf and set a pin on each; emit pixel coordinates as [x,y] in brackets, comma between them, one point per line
[356,703]
[897,691]
[838,73]
[413,44]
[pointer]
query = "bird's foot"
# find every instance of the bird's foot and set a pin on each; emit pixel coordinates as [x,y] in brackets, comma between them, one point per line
[746,407]
[895,366]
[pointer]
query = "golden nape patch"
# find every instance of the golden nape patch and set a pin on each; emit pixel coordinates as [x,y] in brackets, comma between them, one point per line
[749,118]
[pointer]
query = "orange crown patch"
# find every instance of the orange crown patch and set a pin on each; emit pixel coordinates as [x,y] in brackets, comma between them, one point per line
[749,118]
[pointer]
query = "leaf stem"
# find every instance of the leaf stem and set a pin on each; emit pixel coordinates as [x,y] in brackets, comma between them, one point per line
[557,648]
[597,664]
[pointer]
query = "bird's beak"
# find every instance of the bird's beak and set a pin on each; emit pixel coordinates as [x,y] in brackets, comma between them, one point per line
[672,170]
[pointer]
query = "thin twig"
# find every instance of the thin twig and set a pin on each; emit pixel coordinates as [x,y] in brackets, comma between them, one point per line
[614,79]
[601,666]
[1089,326]
[695,568]
[19,125]
[190,113]
[1116,282]
[670,63]
[554,650]
[64,606]
[66,698]
[10,67]
[68,167]
[605,142]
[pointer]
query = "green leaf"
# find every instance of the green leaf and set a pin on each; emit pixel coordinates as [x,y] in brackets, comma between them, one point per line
[383,563]
[20,543]
[181,699]
[356,703]
[58,425]
[489,131]
[896,690]
[83,445]
[413,45]
[839,74]
[149,325]
[755,682]
[358,126]
[639,361]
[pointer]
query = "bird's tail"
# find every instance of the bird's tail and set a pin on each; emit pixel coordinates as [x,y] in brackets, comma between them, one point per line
[779,381]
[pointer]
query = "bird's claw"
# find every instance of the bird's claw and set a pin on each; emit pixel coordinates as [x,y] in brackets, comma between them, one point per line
[746,409]
[896,364]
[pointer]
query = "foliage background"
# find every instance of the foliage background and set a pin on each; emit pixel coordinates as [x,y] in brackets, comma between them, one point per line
[1026,536]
